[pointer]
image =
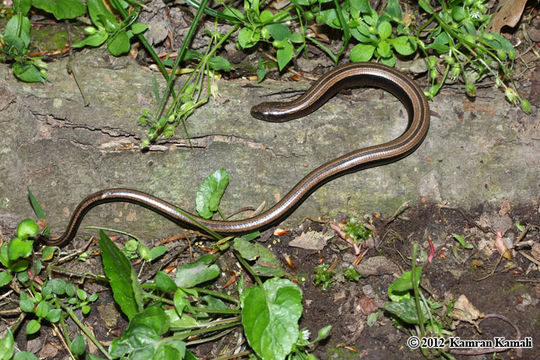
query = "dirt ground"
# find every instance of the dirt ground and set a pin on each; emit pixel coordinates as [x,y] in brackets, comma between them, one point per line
[505,287]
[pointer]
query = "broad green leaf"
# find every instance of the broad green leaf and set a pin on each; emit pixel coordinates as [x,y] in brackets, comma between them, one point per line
[266,16]
[393,9]
[54,315]
[400,288]
[404,45]
[118,44]
[362,53]
[78,345]
[61,9]
[172,350]
[27,228]
[383,49]
[18,248]
[42,309]
[143,334]
[25,355]
[248,37]
[17,33]
[180,322]
[210,192]
[47,253]
[22,6]
[219,63]
[266,263]
[126,289]
[164,282]
[6,345]
[32,327]
[138,28]
[28,73]
[157,252]
[285,54]
[384,29]
[197,272]
[405,309]
[25,303]
[361,5]
[279,31]
[270,317]
[181,301]
[440,44]
[101,16]
[93,40]
[5,278]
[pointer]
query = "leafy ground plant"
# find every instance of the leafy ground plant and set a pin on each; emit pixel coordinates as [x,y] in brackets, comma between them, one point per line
[167,316]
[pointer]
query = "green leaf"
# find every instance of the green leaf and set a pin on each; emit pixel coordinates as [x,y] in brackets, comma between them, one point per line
[219,63]
[361,5]
[101,16]
[404,45]
[393,9]
[93,40]
[54,315]
[61,9]
[78,345]
[285,54]
[25,355]
[270,317]
[6,345]
[4,257]
[47,253]
[173,350]
[462,242]
[17,33]
[279,31]
[5,278]
[143,334]
[25,303]
[266,16]
[32,327]
[261,70]
[42,309]
[384,29]
[180,301]
[362,53]
[440,44]
[27,228]
[18,248]
[248,37]
[40,214]
[383,49]
[458,13]
[400,288]
[197,272]
[138,28]
[126,289]
[210,192]
[266,262]
[425,6]
[118,44]
[22,6]
[405,309]
[157,252]
[164,282]
[28,73]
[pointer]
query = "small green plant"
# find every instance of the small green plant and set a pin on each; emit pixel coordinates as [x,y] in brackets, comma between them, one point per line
[107,29]
[166,315]
[410,309]
[323,276]
[355,229]
[352,274]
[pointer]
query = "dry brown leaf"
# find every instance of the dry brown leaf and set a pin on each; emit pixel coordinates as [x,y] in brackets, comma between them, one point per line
[508,13]
[465,311]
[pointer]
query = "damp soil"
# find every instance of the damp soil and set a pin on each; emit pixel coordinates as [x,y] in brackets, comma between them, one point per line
[493,285]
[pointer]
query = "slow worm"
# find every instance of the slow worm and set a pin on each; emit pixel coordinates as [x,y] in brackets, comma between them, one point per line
[347,76]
